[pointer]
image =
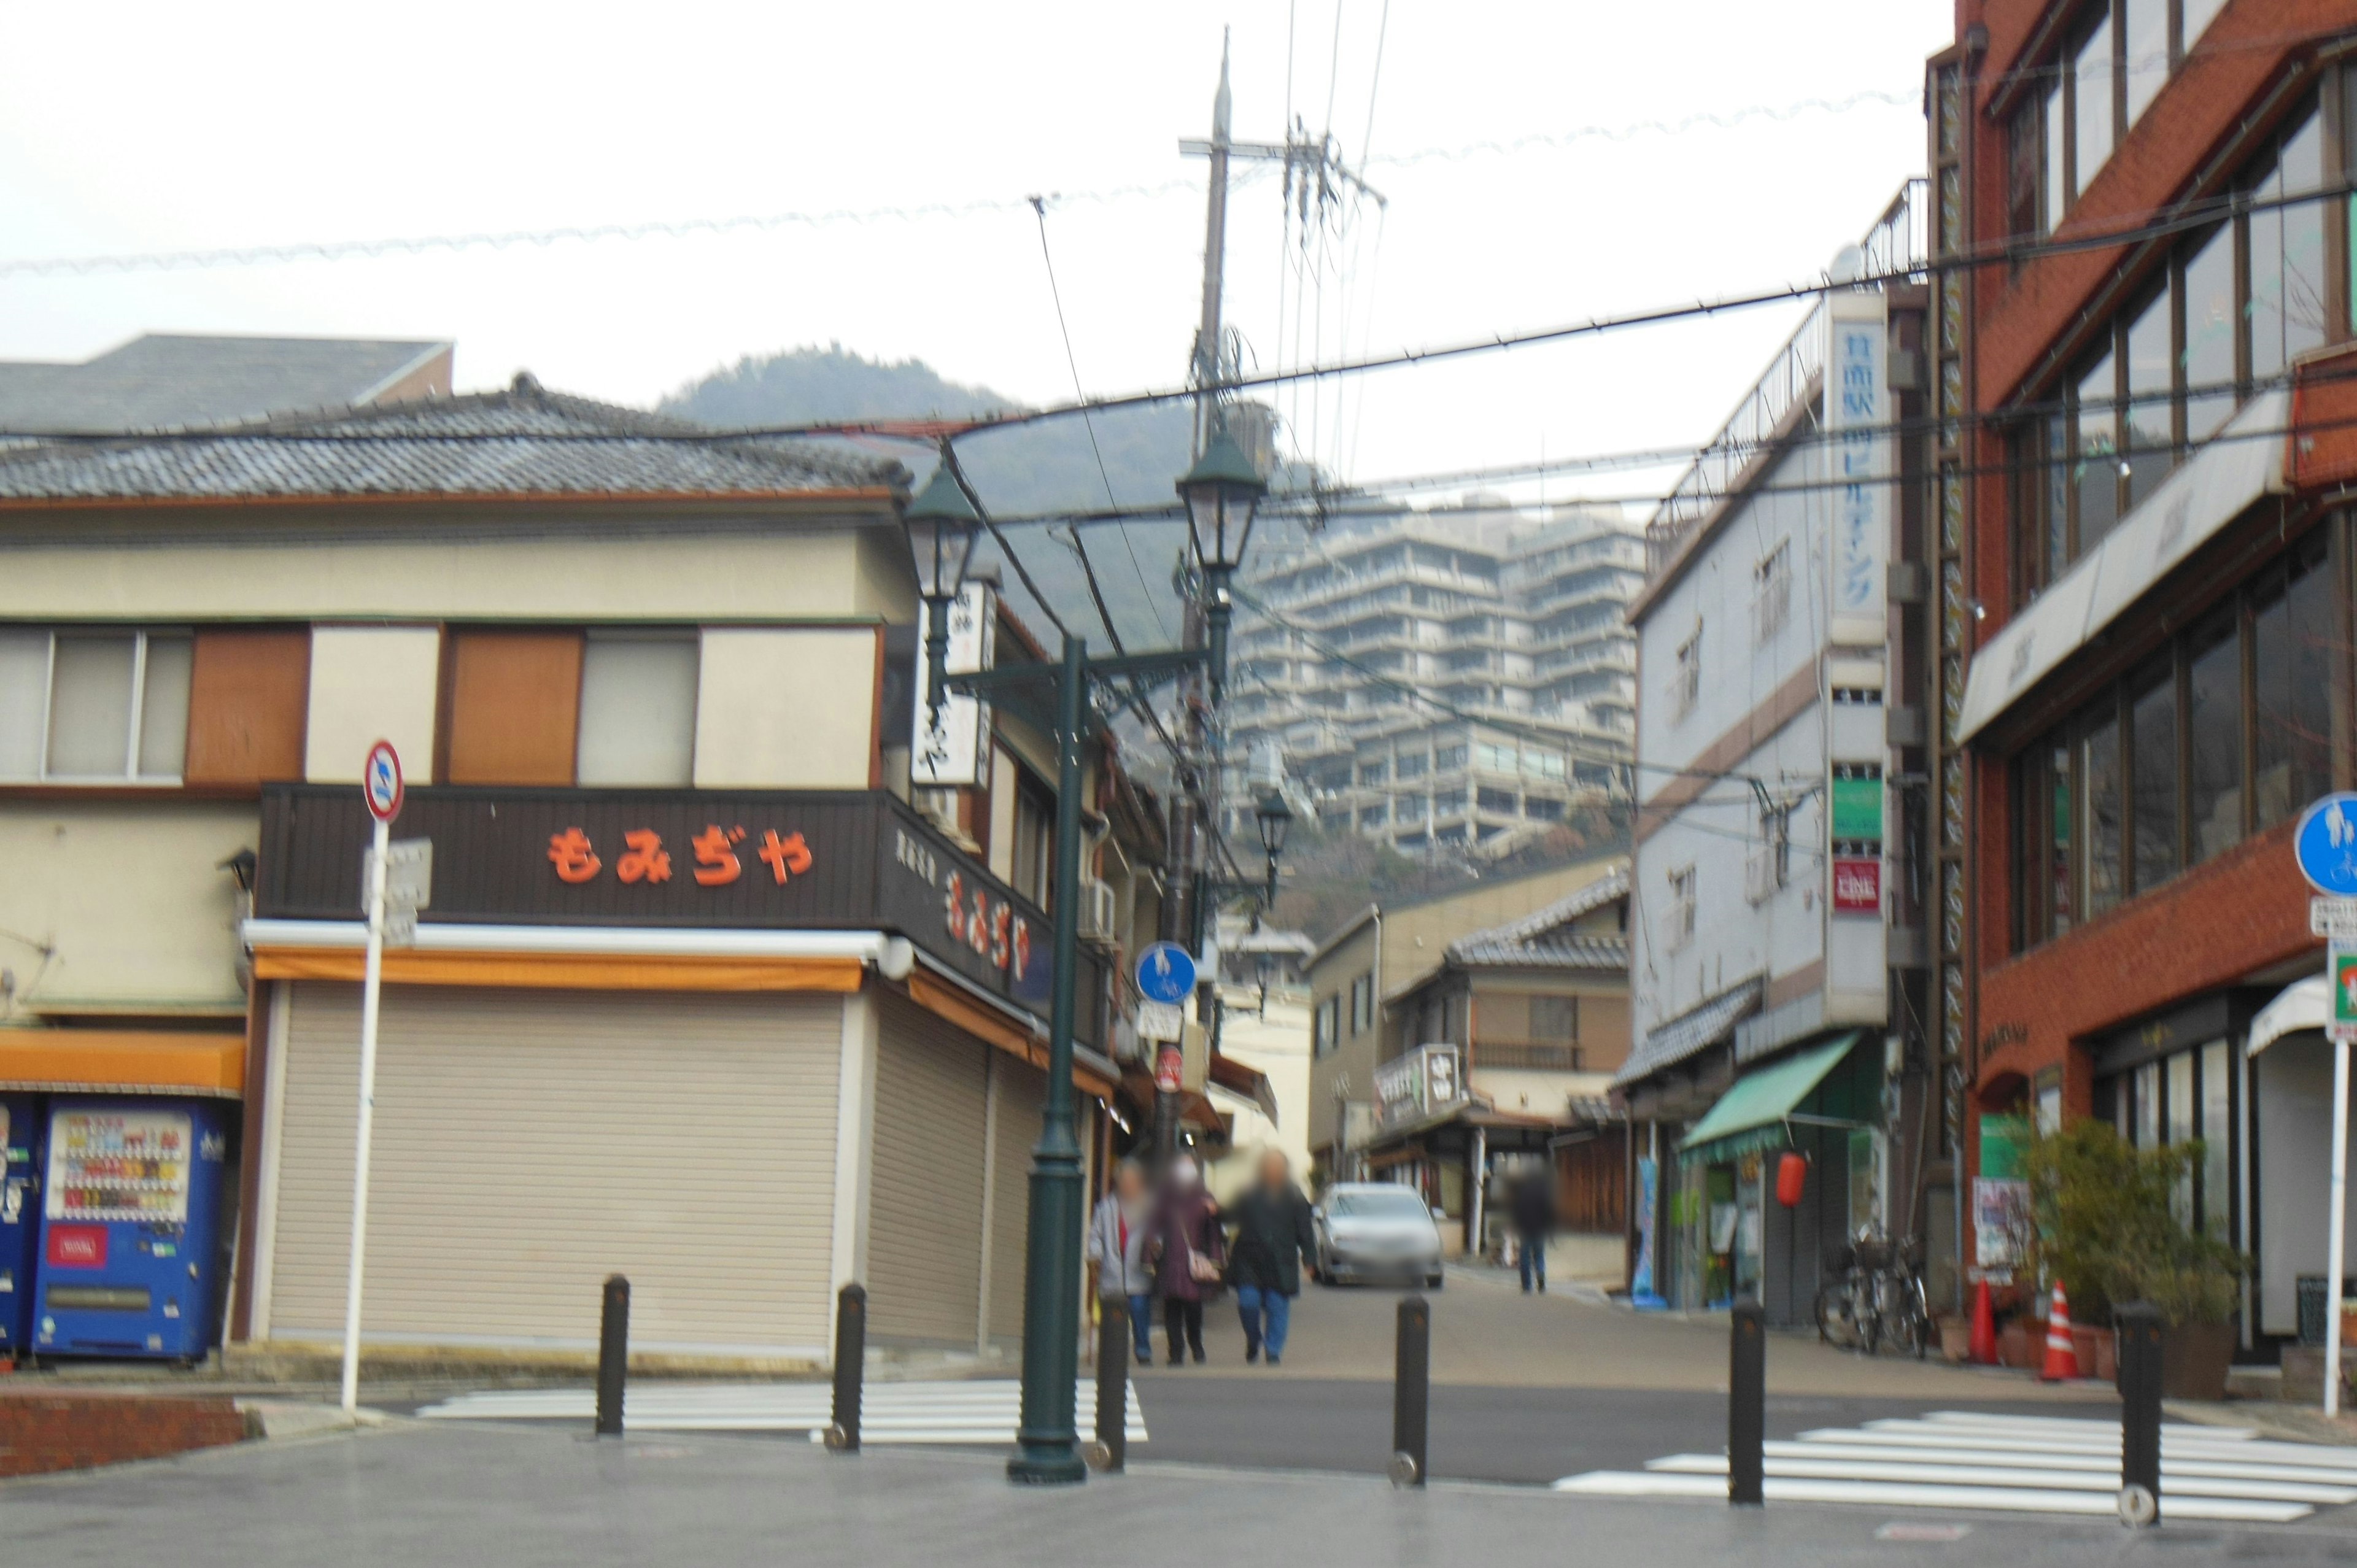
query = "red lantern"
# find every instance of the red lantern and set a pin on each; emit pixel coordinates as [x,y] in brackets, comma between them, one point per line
[1792,1172]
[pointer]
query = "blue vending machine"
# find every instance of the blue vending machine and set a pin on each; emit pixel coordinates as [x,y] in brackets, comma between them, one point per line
[131,1231]
[20,1219]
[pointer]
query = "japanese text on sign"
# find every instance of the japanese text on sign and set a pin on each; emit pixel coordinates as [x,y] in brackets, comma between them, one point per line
[715,860]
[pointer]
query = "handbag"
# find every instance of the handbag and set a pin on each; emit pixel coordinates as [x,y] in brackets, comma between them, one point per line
[1203,1271]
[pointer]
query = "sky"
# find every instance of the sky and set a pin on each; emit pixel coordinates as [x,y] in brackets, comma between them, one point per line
[129,129]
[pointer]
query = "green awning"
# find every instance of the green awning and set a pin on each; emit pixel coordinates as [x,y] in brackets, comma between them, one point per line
[1751,1115]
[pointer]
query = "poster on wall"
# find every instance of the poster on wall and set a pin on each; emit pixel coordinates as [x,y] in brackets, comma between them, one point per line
[1641,1277]
[2001,1226]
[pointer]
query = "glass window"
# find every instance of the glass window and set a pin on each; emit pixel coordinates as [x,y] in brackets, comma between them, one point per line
[1412,766]
[2022,172]
[2091,75]
[638,711]
[2214,736]
[24,690]
[2209,320]
[2058,126]
[2198,15]
[89,706]
[2180,1115]
[2099,775]
[2302,169]
[2096,467]
[2145,1127]
[2218,1139]
[164,706]
[2144,52]
[2152,735]
[2151,424]
[2291,723]
[2058,846]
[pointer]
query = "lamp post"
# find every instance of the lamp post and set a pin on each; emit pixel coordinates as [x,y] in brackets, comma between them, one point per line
[1223,491]
[941,525]
[1276,818]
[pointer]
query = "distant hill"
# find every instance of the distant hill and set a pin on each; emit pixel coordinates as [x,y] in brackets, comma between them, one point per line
[1025,470]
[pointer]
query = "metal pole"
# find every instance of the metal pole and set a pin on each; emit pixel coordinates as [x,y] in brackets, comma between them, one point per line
[2139,1342]
[1747,1406]
[2337,1238]
[613,1354]
[1111,1450]
[1046,1445]
[850,1367]
[1411,1392]
[371,987]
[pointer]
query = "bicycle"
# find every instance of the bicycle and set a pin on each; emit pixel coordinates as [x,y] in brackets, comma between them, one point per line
[1874,1291]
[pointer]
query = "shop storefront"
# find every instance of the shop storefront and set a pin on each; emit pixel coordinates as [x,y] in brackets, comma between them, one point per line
[743,1047]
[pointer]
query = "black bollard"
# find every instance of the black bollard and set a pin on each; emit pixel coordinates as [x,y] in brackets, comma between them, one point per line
[850,1365]
[613,1354]
[1747,1406]
[1111,1450]
[2139,1338]
[1411,1392]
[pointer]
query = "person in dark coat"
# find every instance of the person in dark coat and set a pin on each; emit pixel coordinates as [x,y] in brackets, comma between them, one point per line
[1187,1250]
[1534,1223]
[1273,1235]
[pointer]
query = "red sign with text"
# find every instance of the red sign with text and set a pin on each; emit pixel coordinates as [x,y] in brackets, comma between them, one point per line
[77,1247]
[1857,886]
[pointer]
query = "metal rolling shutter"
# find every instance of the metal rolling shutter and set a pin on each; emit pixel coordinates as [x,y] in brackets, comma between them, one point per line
[1019,1088]
[924,1227]
[530,1143]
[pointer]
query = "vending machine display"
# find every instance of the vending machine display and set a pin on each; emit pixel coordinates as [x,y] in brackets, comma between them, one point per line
[20,1219]
[130,1229]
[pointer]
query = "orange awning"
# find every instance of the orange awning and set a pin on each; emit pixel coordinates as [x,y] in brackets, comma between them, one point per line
[566,972]
[122,1061]
[954,1006]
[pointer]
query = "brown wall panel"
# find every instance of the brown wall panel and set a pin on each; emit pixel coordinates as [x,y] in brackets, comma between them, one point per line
[515,704]
[248,695]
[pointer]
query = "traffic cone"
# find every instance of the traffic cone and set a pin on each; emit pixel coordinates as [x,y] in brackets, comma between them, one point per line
[1983,1346]
[2061,1355]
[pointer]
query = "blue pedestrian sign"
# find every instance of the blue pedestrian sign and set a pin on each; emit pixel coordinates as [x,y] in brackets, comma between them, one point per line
[1165,972]
[2326,846]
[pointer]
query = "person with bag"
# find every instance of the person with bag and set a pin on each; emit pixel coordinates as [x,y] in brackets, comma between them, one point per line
[1187,1252]
[1117,1246]
[1273,1235]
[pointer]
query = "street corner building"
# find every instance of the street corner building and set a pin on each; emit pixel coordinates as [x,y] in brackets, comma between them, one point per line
[707,993]
[1783,886]
[2145,451]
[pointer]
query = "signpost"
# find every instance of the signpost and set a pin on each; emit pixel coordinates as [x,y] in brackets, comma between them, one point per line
[2325,848]
[1166,977]
[396,881]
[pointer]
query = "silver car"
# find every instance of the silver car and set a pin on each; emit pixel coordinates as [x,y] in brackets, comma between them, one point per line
[1369,1231]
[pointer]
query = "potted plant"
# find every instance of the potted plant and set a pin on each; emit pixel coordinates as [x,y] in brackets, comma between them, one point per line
[2108,1227]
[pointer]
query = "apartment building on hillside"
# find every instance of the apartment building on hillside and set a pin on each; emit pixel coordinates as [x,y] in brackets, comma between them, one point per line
[1461,676]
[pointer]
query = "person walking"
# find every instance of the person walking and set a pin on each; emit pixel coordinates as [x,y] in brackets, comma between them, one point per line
[1273,1235]
[1534,1223]
[1117,1246]
[1186,1249]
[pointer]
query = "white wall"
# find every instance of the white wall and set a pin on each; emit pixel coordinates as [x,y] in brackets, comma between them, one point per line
[786,708]
[371,684]
[1277,1045]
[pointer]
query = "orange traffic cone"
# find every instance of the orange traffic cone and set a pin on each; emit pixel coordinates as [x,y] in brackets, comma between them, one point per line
[2061,1355]
[1984,1345]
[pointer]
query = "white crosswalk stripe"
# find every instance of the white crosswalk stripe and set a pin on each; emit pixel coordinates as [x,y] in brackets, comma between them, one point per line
[980,1411]
[1961,1459]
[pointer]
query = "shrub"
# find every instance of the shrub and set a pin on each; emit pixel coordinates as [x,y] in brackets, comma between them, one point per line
[2107,1226]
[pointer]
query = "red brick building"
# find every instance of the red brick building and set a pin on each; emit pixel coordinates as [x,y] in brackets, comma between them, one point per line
[2147,426]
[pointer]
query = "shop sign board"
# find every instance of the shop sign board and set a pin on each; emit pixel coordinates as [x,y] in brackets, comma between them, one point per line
[951,749]
[1858,886]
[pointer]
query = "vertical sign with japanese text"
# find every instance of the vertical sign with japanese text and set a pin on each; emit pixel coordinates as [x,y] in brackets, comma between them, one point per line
[953,752]
[1857,417]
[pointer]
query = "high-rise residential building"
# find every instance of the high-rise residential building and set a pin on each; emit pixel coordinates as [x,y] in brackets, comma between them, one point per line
[1461,675]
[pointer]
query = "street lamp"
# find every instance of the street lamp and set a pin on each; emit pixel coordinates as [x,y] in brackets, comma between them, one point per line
[941,526]
[1274,818]
[1222,491]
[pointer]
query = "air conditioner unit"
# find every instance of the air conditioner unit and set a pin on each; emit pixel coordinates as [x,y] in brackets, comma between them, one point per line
[1097,911]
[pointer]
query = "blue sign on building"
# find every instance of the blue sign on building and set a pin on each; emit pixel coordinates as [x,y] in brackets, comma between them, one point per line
[2326,846]
[1165,972]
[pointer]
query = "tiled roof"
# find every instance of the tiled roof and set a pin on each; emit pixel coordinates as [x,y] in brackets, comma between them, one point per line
[523,440]
[1540,939]
[1669,1043]
[171,380]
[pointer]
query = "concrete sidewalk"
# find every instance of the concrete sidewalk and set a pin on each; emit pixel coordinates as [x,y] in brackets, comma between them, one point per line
[412,1493]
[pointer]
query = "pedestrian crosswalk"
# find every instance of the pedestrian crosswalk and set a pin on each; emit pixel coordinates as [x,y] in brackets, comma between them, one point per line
[979,1411]
[1958,1459]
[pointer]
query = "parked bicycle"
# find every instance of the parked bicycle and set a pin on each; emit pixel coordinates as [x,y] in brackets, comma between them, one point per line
[1874,1294]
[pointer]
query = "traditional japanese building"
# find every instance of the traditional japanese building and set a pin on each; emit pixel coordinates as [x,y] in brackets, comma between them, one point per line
[704,995]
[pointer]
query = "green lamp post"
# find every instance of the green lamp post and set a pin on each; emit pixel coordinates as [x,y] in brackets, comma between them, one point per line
[1222,492]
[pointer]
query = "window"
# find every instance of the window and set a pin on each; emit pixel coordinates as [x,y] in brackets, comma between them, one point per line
[2148,425]
[2212,318]
[2094,460]
[2023,169]
[2093,115]
[1373,772]
[1492,759]
[2225,733]
[637,710]
[1543,764]
[2143,53]
[1447,758]
[1501,800]
[1540,808]
[94,706]
[1678,923]
[1771,594]
[1372,816]
[2198,15]
[1412,765]
[1324,1027]
[1031,867]
[2171,1100]
[1686,677]
[1362,1004]
[1555,1020]
[2288,302]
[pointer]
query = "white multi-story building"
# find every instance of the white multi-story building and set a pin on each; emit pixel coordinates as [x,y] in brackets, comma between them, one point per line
[1459,675]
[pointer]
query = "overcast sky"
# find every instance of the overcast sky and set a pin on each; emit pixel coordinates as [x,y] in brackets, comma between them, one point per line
[139,128]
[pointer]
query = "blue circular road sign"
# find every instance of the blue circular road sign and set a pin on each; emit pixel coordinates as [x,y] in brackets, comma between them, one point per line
[2326,846]
[1165,972]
